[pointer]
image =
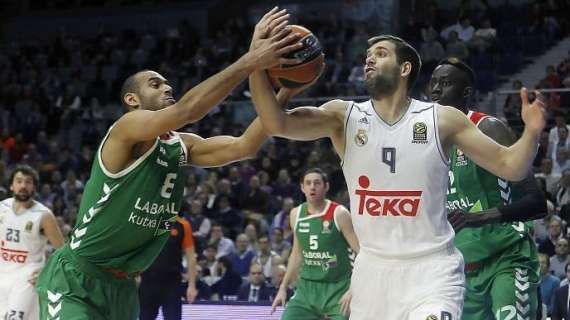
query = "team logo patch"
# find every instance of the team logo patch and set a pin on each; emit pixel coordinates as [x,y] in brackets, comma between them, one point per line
[461,160]
[326,227]
[361,138]
[419,133]
[29,226]
[431,317]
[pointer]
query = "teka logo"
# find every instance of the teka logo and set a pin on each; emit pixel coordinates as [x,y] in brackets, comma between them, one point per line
[394,203]
[16,256]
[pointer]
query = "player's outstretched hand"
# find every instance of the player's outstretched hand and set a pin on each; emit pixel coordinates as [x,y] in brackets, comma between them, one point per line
[272,39]
[345,303]
[279,300]
[533,114]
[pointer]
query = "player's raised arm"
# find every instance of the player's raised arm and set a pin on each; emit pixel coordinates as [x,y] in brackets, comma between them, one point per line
[221,150]
[511,163]
[303,123]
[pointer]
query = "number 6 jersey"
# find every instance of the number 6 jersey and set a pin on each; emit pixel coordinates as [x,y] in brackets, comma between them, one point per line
[124,218]
[397,178]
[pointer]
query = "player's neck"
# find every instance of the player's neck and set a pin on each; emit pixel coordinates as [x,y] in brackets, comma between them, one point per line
[316,207]
[20,206]
[392,108]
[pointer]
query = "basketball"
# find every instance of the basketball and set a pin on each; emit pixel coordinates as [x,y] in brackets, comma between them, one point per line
[295,76]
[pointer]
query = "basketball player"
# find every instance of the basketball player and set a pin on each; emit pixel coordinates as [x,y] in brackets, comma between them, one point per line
[25,228]
[136,184]
[501,264]
[322,240]
[394,157]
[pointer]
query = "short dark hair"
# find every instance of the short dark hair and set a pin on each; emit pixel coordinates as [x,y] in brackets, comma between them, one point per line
[27,171]
[130,85]
[316,170]
[459,64]
[404,52]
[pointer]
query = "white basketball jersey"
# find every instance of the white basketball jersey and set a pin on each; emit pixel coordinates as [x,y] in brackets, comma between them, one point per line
[397,178]
[21,242]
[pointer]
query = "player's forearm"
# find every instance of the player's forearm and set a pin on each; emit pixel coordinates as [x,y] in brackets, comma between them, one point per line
[252,140]
[529,203]
[519,157]
[292,272]
[191,273]
[266,103]
[199,100]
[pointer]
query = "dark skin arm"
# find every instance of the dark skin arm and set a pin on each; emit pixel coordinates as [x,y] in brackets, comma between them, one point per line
[532,203]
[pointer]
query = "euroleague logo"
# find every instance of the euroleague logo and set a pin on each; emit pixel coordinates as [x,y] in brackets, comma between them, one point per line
[386,203]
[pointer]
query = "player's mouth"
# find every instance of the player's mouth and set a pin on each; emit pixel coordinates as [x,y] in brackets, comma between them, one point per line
[170,100]
[368,69]
[435,98]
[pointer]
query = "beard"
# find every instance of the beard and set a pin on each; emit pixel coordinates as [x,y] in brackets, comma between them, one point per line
[22,197]
[383,84]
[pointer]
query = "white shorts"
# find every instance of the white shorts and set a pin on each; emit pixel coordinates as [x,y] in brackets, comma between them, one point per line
[18,297]
[424,288]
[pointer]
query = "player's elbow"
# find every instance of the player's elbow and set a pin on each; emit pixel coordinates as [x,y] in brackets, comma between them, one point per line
[274,128]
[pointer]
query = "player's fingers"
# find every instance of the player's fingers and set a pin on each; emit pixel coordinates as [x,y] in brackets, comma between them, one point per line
[269,13]
[539,99]
[278,21]
[524,96]
[277,29]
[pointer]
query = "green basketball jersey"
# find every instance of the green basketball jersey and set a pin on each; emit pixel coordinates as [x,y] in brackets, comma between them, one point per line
[326,255]
[124,218]
[474,189]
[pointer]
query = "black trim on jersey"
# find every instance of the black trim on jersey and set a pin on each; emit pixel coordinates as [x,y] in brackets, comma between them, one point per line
[422,110]
[447,162]
[346,132]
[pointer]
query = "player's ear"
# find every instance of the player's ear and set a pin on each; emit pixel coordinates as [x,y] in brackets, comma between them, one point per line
[406,69]
[468,92]
[131,100]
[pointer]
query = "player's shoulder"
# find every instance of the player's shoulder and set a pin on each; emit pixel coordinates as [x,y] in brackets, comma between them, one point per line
[336,105]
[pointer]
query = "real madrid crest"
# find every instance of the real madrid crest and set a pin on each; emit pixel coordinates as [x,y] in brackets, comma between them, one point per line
[326,227]
[361,138]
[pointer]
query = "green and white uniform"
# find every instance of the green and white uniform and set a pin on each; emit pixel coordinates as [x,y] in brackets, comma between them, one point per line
[326,266]
[501,262]
[122,225]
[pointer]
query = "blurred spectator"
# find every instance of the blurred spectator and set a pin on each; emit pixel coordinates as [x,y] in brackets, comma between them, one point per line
[251,230]
[265,255]
[541,225]
[548,283]
[560,122]
[552,78]
[241,259]
[256,290]
[255,203]
[554,234]
[512,107]
[456,47]
[551,179]
[284,187]
[559,261]
[560,305]
[230,218]
[463,29]
[224,246]
[280,219]
[279,245]
[484,37]
[200,225]
[563,141]
[229,284]
[431,52]
[276,279]
[563,193]
[211,263]
[561,161]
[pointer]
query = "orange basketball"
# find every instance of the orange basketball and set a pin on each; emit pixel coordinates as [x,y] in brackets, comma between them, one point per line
[294,76]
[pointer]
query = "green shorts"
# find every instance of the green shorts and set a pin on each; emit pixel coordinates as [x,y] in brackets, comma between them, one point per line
[314,300]
[503,288]
[71,288]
